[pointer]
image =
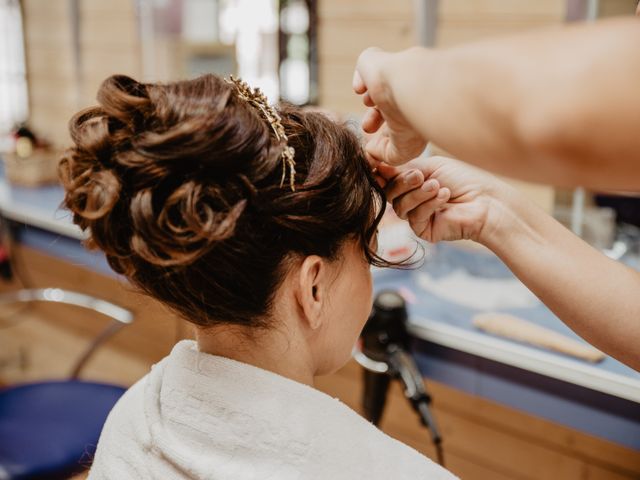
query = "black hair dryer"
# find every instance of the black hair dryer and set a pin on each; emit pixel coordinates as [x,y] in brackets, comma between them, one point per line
[384,354]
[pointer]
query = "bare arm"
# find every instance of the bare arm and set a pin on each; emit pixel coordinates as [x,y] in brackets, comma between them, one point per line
[597,297]
[559,106]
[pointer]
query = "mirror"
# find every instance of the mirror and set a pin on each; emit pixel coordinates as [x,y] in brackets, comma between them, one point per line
[268,43]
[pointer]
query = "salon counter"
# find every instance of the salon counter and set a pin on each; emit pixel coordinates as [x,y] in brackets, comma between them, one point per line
[39,222]
[601,399]
[37,207]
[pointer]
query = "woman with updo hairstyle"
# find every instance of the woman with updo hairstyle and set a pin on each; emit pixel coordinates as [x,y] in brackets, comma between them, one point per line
[259,227]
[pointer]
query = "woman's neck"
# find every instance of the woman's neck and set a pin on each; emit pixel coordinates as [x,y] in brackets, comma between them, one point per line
[271,350]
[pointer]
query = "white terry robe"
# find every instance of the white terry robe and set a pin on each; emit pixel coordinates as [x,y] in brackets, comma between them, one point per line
[200,416]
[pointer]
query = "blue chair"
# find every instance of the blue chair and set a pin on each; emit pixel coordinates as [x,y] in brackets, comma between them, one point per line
[49,430]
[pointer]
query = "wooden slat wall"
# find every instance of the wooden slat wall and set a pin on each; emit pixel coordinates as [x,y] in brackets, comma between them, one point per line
[611,8]
[50,70]
[346,28]
[462,21]
[109,44]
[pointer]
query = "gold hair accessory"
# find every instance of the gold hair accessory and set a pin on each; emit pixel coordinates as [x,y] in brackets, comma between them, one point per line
[258,100]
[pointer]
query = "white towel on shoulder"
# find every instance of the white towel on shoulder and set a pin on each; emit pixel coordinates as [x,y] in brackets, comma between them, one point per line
[199,416]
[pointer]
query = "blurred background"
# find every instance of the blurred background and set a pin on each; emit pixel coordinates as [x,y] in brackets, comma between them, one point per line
[501,417]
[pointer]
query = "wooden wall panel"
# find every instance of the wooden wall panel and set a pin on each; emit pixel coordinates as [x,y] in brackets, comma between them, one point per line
[593,472]
[50,71]
[335,89]
[462,21]
[109,43]
[611,8]
[365,9]
[49,60]
[482,11]
[340,42]
[51,122]
[345,28]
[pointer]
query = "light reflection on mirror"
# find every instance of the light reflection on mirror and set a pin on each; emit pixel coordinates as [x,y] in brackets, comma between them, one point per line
[294,68]
[186,38]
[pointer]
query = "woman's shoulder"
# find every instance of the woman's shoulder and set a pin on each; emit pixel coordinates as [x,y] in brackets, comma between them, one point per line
[124,438]
[358,444]
[211,416]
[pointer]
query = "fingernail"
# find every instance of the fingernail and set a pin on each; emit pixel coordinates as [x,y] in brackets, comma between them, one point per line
[442,194]
[412,178]
[429,185]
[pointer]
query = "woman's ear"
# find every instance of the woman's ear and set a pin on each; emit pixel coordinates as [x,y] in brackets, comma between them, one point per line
[311,291]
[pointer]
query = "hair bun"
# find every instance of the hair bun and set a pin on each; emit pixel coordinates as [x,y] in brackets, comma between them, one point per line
[162,172]
[180,185]
[91,190]
[186,225]
[125,100]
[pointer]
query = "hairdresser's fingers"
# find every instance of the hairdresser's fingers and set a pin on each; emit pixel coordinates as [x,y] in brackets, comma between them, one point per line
[421,217]
[374,163]
[378,145]
[414,198]
[389,172]
[403,184]
[367,100]
[380,180]
[367,69]
[374,146]
[382,172]
[406,181]
[372,120]
[358,83]
[393,148]
[426,230]
[423,228]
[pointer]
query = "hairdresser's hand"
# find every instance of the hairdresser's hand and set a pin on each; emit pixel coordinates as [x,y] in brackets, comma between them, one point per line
[467,205]
[393,139]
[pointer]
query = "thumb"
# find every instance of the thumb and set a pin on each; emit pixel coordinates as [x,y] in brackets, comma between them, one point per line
[366,66]
[358,83]
[387,171]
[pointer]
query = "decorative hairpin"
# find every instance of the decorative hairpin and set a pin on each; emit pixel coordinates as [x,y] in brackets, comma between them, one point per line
[258,100]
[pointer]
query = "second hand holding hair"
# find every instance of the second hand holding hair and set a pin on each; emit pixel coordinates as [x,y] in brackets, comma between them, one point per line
[593,294]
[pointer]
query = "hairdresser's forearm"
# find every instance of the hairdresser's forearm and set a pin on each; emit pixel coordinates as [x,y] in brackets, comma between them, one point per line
[555,106]
[597,297]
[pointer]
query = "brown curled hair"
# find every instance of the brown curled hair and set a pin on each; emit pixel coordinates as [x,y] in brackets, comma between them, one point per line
[179,185]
